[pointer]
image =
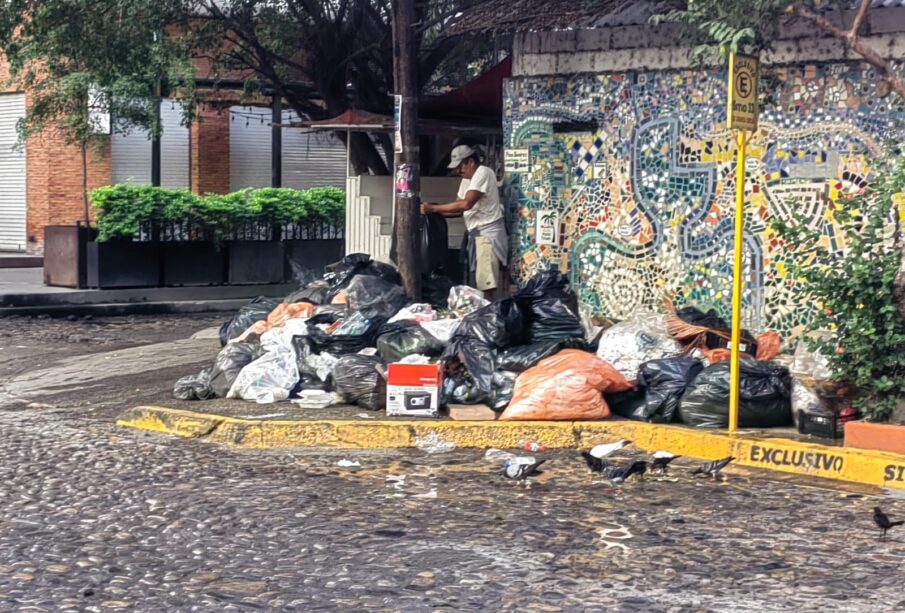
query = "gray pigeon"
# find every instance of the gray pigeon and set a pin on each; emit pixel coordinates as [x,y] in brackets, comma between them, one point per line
[713,468]
[618,474]
[520,468]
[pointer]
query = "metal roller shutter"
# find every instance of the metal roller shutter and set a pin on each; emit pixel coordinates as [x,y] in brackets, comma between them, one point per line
[12,175]
[310,159]
[131,151]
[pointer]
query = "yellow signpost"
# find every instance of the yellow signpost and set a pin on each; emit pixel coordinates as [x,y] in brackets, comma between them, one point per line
[742,116]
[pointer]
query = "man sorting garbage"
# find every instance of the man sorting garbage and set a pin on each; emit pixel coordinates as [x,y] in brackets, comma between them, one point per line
[479,203]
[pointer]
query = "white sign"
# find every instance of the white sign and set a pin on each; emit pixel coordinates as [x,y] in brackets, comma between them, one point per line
[517,160]
[397,118]
[547,228]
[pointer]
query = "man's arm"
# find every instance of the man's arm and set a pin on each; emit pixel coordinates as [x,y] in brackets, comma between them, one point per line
[453,209]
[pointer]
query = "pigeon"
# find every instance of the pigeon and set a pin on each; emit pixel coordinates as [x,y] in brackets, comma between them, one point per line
[883,521]
[619,474]
[595,464]
[602,451]
[662,460]
[713,468]
[520,468]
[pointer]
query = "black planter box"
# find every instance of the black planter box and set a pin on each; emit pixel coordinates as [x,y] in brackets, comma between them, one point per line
[193,263]
[123,264]
[256,262]
[312,255]
[66,256]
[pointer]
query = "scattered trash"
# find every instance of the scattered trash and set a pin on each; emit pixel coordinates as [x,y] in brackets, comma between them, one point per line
[316,399]
[432,444]
[420,313]
[344,463]
[364,416]
[496,455]
[267,416]
[532,446]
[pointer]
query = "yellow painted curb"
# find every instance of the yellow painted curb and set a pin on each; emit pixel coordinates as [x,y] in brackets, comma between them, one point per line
[856,465]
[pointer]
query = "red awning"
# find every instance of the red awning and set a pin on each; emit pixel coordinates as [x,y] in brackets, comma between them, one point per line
[356,121]
[482,97]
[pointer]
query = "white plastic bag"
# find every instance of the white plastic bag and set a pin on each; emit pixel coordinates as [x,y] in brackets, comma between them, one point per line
[281,337]
[270,378]
[464,300]
[810,364]
[316,399]
[442,329]
[419,312]
[629,344]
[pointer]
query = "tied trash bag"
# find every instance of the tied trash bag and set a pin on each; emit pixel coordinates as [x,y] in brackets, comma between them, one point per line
[256,310]
[434,242]
[315,293]
[194,387]
[629,344]
[548,285]
[498,324]
[372,296]
[270,378]
[340,274]
[523,357]
[398,340]
[552,320]
[764,396]
[567,386]
[664,382]
[361,380]
[229,363]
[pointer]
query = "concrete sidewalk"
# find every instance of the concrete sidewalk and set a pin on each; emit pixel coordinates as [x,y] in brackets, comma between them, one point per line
[22,292]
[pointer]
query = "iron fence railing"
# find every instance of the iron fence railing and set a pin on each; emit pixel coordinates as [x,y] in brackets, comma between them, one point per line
[187,230]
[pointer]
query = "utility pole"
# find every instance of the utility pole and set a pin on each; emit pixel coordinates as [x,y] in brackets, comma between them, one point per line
[407,203]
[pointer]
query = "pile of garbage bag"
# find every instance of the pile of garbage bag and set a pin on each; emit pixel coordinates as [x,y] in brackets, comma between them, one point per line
[537,354]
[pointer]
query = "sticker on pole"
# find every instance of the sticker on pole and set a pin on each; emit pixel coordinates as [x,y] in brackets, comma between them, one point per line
[742,86]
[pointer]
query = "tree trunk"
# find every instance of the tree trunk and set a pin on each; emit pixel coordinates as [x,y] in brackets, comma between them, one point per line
[408,214]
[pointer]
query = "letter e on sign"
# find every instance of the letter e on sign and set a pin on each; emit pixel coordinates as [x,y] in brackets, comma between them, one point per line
[742,89]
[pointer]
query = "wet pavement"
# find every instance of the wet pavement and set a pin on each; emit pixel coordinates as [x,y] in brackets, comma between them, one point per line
[96,518]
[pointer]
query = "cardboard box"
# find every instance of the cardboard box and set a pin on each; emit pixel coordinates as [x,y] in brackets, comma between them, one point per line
[414,389]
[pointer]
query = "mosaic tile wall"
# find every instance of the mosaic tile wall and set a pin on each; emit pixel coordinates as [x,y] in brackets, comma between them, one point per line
[646,198]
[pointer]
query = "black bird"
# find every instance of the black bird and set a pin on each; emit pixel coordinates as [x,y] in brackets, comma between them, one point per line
[883,522]
[662,460]
[713,468]
[619,474]
[595,464]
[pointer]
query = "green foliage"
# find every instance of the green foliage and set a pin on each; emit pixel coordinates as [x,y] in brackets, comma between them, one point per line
[716,28]
[853,293]
[123,209]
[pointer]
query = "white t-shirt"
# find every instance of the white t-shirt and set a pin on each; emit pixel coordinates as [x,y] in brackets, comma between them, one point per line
[487,209]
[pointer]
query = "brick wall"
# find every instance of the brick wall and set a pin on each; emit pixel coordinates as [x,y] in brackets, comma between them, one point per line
[210,151]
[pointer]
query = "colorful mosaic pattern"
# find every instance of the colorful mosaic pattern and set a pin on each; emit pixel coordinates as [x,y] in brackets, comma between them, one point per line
[647,199]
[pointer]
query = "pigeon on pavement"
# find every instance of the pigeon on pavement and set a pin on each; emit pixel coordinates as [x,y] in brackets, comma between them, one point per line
[602,451]
[661,461]
[520,468]
[713,468]
[883,522]
[595,464]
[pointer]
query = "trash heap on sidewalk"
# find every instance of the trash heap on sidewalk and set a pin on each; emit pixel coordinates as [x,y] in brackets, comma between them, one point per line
[354,337]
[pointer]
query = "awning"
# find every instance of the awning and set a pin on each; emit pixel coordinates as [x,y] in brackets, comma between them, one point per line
[351,120]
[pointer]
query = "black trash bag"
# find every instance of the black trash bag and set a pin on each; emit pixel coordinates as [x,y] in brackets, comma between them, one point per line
[479,360]
[503,386]
[712,320]
[374,297]
[315,293]
[664,381]
[461,389]
[551,319]
[361,380]
[764,398]
[256,310]
[341,344]
[547,285]
[230,361]
[435,290]
[523,357]
[194,387]
[626,403]
[340,274]
[400,339]
[499,324]
[434,242]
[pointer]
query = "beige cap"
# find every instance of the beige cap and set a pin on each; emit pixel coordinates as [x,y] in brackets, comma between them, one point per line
[459,154]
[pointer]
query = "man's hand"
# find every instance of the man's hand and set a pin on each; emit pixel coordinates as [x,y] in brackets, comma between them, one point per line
[427,208]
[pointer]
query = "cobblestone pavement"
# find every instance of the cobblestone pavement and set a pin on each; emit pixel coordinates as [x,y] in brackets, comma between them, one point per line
[97,518]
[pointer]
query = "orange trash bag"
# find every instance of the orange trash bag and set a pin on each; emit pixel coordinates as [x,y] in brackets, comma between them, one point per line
[286,311]
[566,386]
[768,345]
[715,356]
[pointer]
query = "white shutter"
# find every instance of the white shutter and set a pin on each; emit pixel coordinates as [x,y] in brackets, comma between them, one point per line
[310,159]
[131,152]
[12,175]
